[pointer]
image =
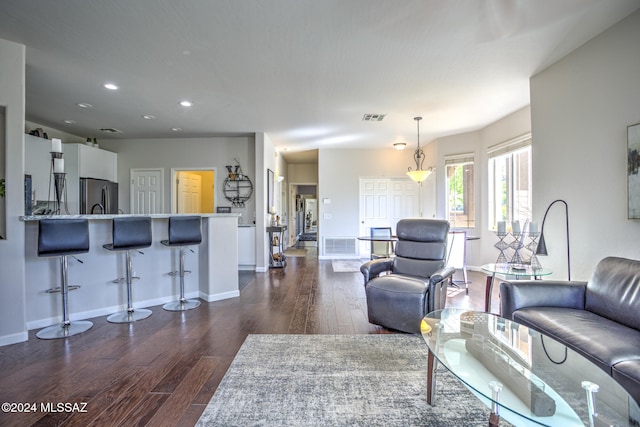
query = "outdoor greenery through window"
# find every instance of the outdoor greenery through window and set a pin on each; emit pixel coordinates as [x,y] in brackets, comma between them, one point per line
[510,182]
[460,195]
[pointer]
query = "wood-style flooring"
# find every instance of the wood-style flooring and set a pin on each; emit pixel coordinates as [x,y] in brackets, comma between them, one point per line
[163,370]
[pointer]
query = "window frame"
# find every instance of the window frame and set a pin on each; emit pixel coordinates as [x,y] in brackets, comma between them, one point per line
[507,151]
[461,160]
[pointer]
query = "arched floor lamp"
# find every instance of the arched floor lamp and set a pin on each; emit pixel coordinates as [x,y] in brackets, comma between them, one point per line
[542,247]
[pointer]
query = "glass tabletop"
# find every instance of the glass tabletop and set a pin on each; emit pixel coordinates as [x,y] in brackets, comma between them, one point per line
[539,380]
[516,270]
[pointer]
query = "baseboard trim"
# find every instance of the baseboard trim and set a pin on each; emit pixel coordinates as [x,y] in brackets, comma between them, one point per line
[105,311]
[14,338]
[220,296]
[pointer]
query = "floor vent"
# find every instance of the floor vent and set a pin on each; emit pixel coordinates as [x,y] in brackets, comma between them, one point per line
[340,246]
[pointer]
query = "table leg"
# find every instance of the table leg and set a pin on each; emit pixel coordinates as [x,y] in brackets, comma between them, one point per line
[431,378]
[487,293]
[494,417]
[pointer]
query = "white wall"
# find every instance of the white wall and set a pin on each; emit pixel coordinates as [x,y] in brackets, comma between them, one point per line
[581,107]
[185,153]
[339,173]
[518,123]
[12,264]
[266,156]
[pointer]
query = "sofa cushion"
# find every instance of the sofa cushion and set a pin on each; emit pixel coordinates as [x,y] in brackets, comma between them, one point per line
[613,291]
[627,373]
[600,340]
[397,302]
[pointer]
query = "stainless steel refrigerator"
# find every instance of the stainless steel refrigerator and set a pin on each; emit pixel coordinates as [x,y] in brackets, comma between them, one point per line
[98,196]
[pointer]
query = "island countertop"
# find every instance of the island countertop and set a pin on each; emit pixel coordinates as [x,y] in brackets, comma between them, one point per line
[111,216]
[213,263]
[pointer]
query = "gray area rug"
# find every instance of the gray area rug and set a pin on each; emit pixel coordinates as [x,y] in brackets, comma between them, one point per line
[337,380]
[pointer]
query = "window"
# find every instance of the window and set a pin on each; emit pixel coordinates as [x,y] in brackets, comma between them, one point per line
[510,181]
[459,187]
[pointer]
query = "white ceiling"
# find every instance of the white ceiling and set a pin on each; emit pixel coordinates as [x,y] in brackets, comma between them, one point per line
[303,71]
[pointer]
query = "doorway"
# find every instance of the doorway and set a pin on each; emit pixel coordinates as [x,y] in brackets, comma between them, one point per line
[193,191]
[304,203]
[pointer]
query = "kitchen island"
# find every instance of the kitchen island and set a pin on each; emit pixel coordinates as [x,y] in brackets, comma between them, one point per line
[214,267]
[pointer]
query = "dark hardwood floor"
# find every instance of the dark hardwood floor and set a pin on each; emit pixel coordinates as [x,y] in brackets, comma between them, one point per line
[162,371]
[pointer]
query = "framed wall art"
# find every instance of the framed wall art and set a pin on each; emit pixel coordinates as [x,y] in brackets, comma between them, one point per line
[270,183]
[633,171]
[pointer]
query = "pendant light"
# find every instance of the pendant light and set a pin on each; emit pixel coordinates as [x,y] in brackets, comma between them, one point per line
[418,175]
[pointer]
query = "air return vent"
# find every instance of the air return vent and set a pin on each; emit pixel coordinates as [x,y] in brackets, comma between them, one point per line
[110,130]
[373,117]
[340,246]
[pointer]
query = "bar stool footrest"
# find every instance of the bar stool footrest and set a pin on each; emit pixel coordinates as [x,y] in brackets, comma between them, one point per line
[177,273]
[58,289]
[124,279]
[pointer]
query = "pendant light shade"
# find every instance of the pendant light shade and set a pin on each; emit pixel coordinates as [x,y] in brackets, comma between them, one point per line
[418,175]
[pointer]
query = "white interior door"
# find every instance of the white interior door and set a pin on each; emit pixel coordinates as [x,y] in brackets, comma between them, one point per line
[147,188]
[384,202]
[189,191]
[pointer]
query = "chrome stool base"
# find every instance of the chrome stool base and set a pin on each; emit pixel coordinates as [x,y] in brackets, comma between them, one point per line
[63,331]
[183,305]
[129,316]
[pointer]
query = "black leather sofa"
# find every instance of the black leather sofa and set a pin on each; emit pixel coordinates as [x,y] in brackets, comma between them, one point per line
[599,319]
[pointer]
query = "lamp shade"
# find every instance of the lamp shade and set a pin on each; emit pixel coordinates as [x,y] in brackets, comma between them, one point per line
[419,175]
[542,246]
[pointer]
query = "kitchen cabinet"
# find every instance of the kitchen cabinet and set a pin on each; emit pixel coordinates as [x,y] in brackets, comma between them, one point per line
[80,161]
[246,247]
[37,163]
[93,162]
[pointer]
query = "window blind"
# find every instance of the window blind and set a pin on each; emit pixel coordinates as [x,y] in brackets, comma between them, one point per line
[510,146]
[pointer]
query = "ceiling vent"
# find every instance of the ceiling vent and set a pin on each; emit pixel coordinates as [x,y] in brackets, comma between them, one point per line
[110,130]
[373,117]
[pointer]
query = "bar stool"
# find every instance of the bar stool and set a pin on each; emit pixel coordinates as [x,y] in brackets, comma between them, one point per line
[61,238]
[183,231]
[130,234]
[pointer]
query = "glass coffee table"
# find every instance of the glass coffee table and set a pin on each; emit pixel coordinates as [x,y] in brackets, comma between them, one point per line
[524,376]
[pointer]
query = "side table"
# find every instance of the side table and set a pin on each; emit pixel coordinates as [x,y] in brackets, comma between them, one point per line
[517,271]
[277,258]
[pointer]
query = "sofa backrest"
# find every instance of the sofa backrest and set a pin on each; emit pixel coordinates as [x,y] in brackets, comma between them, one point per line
[614,291]
[422,246]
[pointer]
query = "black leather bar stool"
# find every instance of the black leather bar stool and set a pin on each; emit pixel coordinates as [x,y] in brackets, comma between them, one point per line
[183,231]
[61,238]
[130,234]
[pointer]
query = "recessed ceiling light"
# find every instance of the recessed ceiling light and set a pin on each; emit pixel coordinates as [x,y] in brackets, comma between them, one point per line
[148,117]
[111,86]
[69,122]
[176,129]
[186,103]
[84,105]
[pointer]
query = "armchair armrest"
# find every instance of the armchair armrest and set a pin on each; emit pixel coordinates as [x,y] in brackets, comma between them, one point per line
[518,294]
[438,285]
[442,274]
[374,267]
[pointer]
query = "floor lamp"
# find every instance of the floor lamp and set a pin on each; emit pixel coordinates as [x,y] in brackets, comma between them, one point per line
[542,247]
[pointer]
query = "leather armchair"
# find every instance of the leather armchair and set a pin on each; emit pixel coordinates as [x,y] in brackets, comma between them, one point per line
[417,278]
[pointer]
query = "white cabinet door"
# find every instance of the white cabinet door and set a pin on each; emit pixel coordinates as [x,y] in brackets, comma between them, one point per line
[247,248]
[37,163]
[97,163]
